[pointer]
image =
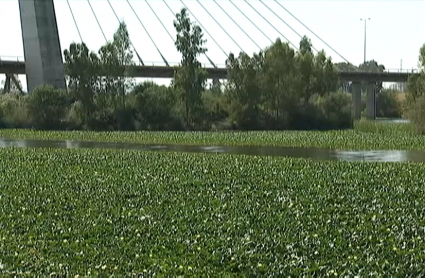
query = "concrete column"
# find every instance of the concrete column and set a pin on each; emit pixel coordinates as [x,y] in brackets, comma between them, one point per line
[42,50]
[370,101]
[357,97]
[6,88]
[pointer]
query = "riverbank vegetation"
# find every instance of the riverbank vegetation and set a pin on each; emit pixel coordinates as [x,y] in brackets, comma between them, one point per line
[415,99]
[91,212]
[276,89]
[366,135]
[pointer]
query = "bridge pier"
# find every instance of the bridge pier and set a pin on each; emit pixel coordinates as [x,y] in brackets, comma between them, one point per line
[42,50]
[370,101]
[6,88]
[357,97]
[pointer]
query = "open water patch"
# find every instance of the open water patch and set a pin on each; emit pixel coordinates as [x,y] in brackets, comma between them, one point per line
[296,152]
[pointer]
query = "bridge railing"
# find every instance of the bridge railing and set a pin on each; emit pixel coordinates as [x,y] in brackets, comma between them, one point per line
[403,70]
[208,65]
[12,58]
[147,63]
[174,64]
[385,71]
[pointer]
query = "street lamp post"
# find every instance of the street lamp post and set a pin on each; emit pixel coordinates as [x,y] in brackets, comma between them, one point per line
[365,21]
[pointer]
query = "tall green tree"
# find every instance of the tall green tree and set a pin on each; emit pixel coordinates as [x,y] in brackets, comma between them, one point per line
[244,89]
[281,81]
[83,74]
[99,82]
[306,46]
[318,73]
[304,59]
[415,97]
[416,83]
[190,79]
[325,75]
[116,59]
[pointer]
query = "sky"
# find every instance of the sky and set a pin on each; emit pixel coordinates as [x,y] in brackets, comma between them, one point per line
[393,31]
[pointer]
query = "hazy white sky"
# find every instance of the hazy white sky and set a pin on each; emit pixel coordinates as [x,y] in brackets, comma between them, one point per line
[393,32]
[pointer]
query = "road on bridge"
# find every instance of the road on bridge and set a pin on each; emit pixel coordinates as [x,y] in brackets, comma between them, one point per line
[12,67]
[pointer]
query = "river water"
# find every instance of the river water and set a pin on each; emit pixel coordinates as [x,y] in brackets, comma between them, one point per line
[312,153]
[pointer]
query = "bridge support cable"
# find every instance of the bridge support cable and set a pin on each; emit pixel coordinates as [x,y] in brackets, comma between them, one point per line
[75,22]
[219,25]
[211,62]
[160,21]
[272,26]
[311,31]
[119,21]
[281,19]
[98,23]
[237,24]
[203,28]
[146,30]
[256,26]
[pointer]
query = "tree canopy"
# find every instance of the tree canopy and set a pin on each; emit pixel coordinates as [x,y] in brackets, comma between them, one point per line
[415,99]
[276,88]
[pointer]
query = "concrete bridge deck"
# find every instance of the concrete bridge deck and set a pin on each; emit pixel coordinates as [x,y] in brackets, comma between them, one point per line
[15,67]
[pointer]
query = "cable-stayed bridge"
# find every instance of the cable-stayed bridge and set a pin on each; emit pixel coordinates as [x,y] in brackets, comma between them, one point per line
[43,62]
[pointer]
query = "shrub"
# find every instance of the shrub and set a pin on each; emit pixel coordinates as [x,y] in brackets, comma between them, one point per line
[215,107]
[47,107]
[154,107]
[333,110]
[14,109]
[387,128]
[416,114]
[387,105]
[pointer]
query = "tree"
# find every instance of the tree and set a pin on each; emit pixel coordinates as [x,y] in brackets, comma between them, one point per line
[83,69]
[100,81]
[304,60]
[190,79]
[415,97]
[373,66]
[345,67]
[281,81]
[278,88]
[116,59]
[416,83]
[325,76]
[348,67]
[387,104]
[318,73]
[244,90]
[305,46]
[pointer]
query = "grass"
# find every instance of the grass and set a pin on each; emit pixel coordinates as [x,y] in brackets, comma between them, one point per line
[385,128]
[91,212]
[365,136]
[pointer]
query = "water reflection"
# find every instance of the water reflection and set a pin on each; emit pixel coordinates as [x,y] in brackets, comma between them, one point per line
[312,153]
